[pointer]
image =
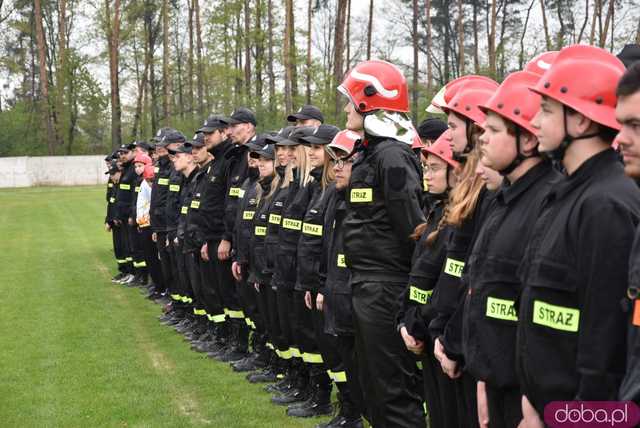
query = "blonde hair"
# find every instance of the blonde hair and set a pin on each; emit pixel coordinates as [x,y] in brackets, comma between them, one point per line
[304,166]
[328,174]
[464,196]
[275,182]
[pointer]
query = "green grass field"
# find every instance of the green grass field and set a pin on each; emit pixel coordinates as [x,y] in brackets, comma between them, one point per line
[79,351]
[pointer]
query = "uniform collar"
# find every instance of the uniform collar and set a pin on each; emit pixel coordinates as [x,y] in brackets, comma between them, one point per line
[594,166]
[221,149]
[316,173]
[509,192]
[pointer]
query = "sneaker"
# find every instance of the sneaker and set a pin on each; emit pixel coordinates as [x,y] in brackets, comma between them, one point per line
[118,277]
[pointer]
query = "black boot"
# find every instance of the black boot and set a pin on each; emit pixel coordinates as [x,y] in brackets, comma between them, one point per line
[300,391]
[348,416]
[221,341]
[318,405]
[239,342]
[269,373]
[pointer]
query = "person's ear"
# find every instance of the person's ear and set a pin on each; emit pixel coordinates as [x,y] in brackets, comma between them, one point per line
[528,143]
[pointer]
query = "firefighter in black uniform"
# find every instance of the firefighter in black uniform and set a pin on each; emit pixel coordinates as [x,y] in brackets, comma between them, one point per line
[112,188]
[255,312]
[334,297]
[180,291]
[509,146]
[574,273]
[628,114]
[242,128]
[159,194]
[124,196]
[426,266]
[383,209]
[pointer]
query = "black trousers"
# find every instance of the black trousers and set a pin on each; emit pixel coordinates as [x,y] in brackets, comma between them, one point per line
[151,257]
[304,333]
[345,345]
[249,298]
[388,372]
[164,255]
[505,406]
[286,320]
[466,398]
[440,391]
[119,238]
[193,265]
[210,293]
[182,284]
[137,250]
[226,283]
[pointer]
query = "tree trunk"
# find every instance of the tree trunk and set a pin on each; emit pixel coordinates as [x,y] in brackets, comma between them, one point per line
[607,21]
[293,53]
[152,34]
[190,69]
[166,78]
[414,39]
[259,53]
[476,53]
[113,36]
[179,75]
[44,82]
[560,42]
[270,58]
[524,31]
[460,39]
[492,40]
[199,59]
[584,23]
[247,50]
[308,76]
[596,13]
[347,41]
[370,27]
[427,6]
[339,50]
[142,84]
[62,64]
[286,51]
[545,25]
[638,34]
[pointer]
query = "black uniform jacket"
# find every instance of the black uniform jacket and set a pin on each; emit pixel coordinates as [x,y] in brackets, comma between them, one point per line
[426,266]
[173,206]
[124,194]
[183,201]
[257,255]
[571,330]
[384,200]
[274,218]
[310,242]
[489,319]
[244,221]
[159,194]
[236,171]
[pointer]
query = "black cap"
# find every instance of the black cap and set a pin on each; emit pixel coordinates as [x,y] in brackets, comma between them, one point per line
[296,134]
[322,135]
[198,140]
[277,137]
[183,148]
[267,151]
[629,54]
[306,112]
[161,132]
[214,122]
[142,144]
[431,128]
[123,148]
[242,115]
[113,167]
[172,136]
[257,142]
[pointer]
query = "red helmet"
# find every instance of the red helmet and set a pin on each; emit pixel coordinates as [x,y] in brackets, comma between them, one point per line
[514,101]
[444,95]
[143,158]
[149,172]
[376,85]
[541,63]
[584,78]
[442,149]
[344,141]
[469,97]
[417,142]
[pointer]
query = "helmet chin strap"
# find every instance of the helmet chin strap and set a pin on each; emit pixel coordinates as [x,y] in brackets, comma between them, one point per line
[519,156]
[558,153]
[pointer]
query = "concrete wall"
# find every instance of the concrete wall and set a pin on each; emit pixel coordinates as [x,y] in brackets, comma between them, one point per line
[52,171]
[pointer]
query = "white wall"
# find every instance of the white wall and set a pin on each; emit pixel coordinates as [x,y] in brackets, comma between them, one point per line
[52,171]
